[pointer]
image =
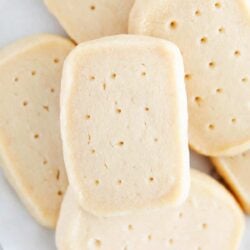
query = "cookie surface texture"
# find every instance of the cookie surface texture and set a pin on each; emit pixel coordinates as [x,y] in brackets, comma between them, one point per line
[213,38]
[30,144]
[124,124]
[86,19]
[235,172]
[197,224]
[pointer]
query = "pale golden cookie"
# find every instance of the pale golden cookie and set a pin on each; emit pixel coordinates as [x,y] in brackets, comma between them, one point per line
[30,144]
[213,37]
[124,124]
[87,19]
[236,172]
[210,219]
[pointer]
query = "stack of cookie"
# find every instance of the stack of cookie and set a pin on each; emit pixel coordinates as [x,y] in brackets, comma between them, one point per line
[123,130]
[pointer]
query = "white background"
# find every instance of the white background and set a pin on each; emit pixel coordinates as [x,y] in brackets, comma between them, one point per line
[18,231]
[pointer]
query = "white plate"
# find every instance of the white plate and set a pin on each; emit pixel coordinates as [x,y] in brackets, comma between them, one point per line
[18,231]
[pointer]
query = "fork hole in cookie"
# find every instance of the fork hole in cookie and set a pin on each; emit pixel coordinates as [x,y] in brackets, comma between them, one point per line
[36,136]
[16,79]
[25,103]
[52,90]
[149,237]
[97,182]
[151,179]
[56,60]
[33,72]
[188,77]
[233,120]
[58,174]
[46,108]
[221,30]
[104,86]
[237,53]
[119,182]
[118,111]
[113,75]
[92,7]
[45,162]
[198,100]
[244,79]
[219,90]
[211,126]
[146,109]
[173,25]
[197,13]
[87,117]
[97,243]
[211,64]
[171,241]
[143,73]
[204,226]
[203,40]
[217,5]
[59,193]
[89,139]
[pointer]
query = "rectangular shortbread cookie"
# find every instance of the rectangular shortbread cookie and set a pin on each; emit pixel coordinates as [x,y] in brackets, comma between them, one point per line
[124,124]
[87,19]
[236,172]
[209,219]
[30,144]
[213,37]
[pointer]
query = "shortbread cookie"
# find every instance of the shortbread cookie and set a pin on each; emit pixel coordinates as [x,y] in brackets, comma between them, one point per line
[236,172]
[30,145]
[86,19]
[124,124]
[213,37]
[199,223]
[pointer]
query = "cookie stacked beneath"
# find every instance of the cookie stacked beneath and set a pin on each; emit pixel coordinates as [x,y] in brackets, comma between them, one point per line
[30,142]
[124,132]
[120,126]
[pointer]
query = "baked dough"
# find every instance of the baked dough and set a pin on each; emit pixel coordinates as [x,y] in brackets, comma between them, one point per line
[124,124]
[213,37]
[210,219]
[30,144]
